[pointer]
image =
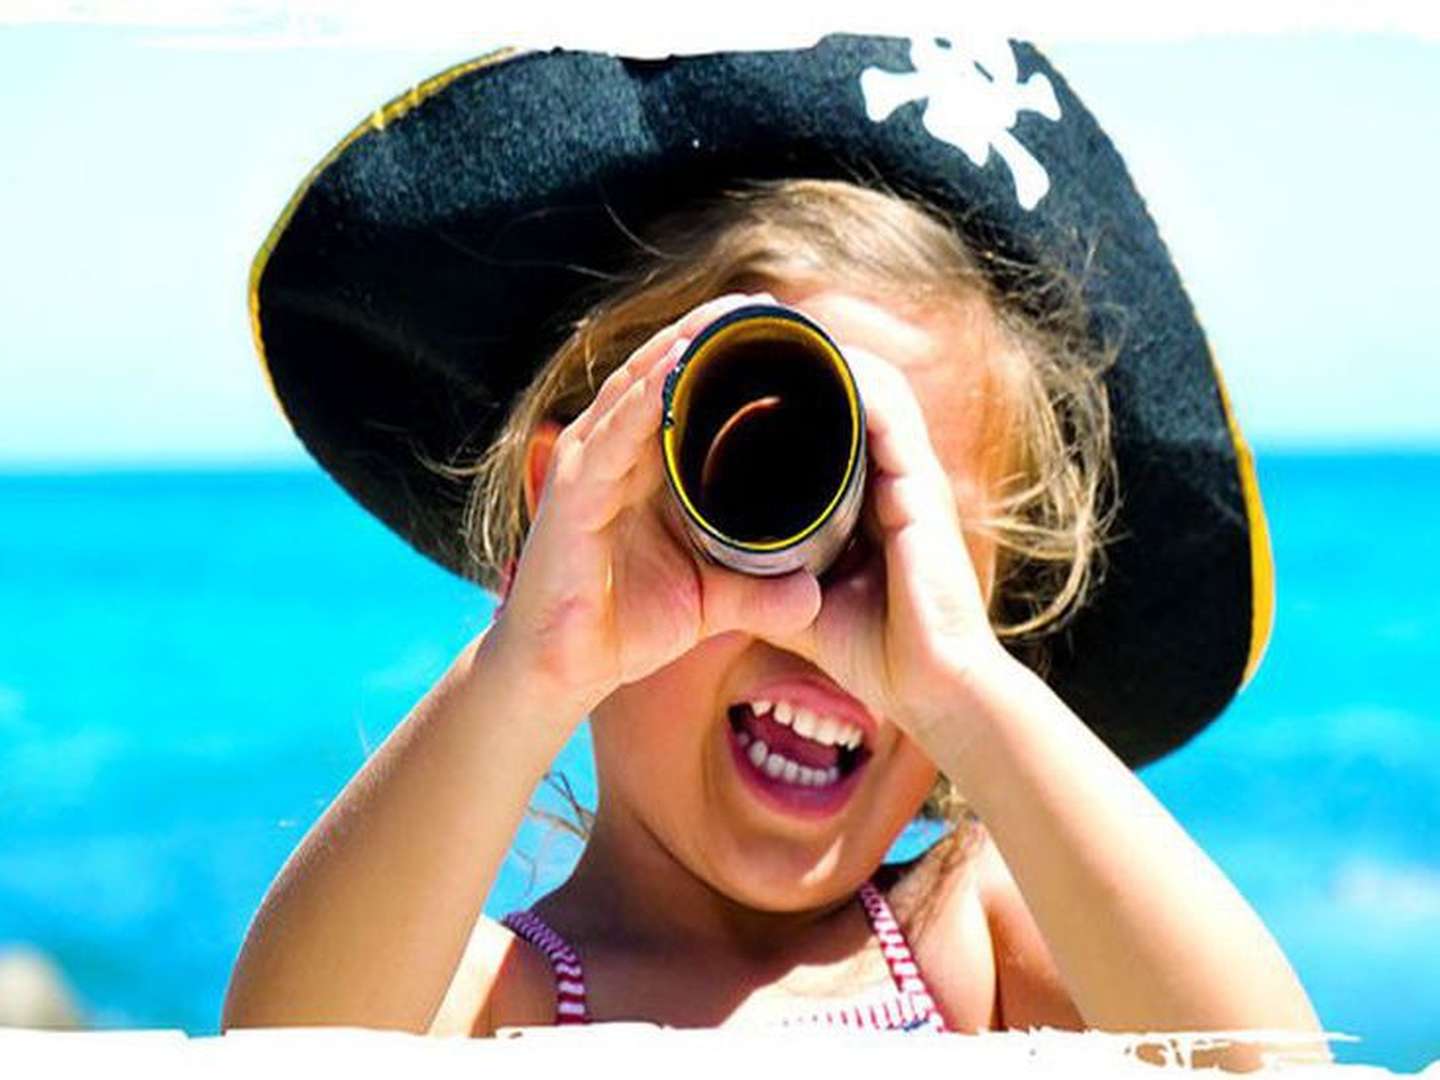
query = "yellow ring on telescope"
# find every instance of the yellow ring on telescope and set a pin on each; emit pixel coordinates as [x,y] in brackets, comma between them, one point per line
[771,328]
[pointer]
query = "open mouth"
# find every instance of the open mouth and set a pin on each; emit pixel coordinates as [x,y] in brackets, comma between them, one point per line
[794,756]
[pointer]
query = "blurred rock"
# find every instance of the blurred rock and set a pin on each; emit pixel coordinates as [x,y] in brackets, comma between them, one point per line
[33,993]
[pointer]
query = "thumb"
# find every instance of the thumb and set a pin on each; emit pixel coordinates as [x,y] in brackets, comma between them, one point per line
[768,607]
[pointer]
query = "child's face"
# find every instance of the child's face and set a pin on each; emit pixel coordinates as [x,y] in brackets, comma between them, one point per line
[666,750]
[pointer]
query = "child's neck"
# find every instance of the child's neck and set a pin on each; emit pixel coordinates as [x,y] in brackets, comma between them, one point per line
[629,888]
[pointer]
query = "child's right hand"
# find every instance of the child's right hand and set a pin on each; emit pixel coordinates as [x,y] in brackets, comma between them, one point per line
[607,590]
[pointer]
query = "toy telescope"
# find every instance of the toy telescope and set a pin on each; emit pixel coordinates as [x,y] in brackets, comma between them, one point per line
[764,442]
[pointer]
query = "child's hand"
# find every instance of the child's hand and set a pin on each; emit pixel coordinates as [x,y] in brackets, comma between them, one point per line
[606,590]
[901,631]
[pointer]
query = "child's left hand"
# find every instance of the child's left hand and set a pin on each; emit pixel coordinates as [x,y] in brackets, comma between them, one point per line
[906,629]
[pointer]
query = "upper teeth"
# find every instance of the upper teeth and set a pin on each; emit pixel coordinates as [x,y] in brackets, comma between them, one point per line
[812,725]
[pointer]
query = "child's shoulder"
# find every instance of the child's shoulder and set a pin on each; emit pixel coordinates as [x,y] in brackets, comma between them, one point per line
[498,983]
[977,942]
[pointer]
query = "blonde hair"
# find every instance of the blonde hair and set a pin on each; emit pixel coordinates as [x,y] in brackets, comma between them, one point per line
[1051,506]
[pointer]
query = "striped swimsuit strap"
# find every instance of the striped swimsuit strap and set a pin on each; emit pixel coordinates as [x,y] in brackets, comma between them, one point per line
[564,962]
[909,1008]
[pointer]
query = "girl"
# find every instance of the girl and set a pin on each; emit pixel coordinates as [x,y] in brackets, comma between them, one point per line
[759,743]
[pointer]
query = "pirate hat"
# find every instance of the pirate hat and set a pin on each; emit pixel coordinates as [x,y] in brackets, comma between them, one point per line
[430,263]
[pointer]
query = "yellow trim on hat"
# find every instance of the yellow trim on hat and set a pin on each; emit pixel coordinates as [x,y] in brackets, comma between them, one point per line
[1262,563]
[377,121]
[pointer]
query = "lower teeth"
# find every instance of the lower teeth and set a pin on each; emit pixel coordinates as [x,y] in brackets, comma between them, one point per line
[781,768]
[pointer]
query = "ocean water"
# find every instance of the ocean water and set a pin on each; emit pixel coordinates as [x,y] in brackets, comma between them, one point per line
[192,664]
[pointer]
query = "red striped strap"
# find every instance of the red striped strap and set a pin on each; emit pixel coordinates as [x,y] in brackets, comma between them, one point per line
[564,962]
[912,1008]
[903,968]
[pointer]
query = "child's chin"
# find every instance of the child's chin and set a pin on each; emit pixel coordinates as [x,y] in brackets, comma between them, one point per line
[766,878]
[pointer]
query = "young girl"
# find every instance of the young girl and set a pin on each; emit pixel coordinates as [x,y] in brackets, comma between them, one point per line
[761,742]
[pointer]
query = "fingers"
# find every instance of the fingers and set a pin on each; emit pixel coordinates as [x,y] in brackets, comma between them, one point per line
[909,482]
[911,498]
[898,501]
[647,475]
[895,425]
[644,359]
[767,607]
[622,459]
[605,458]
[619,463]
[614,443]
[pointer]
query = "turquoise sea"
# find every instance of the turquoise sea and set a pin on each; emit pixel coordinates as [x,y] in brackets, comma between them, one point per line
[192,664]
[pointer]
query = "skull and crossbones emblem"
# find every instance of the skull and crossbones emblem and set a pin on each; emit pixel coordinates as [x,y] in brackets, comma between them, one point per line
[973,98]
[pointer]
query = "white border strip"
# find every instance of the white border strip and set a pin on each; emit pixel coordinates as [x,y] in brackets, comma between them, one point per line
[697,27]
[642,1049]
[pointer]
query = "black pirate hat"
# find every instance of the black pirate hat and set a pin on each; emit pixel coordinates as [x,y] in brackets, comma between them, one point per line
[429,264]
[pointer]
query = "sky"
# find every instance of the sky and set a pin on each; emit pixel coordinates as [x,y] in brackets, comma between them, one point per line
[1290,163]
